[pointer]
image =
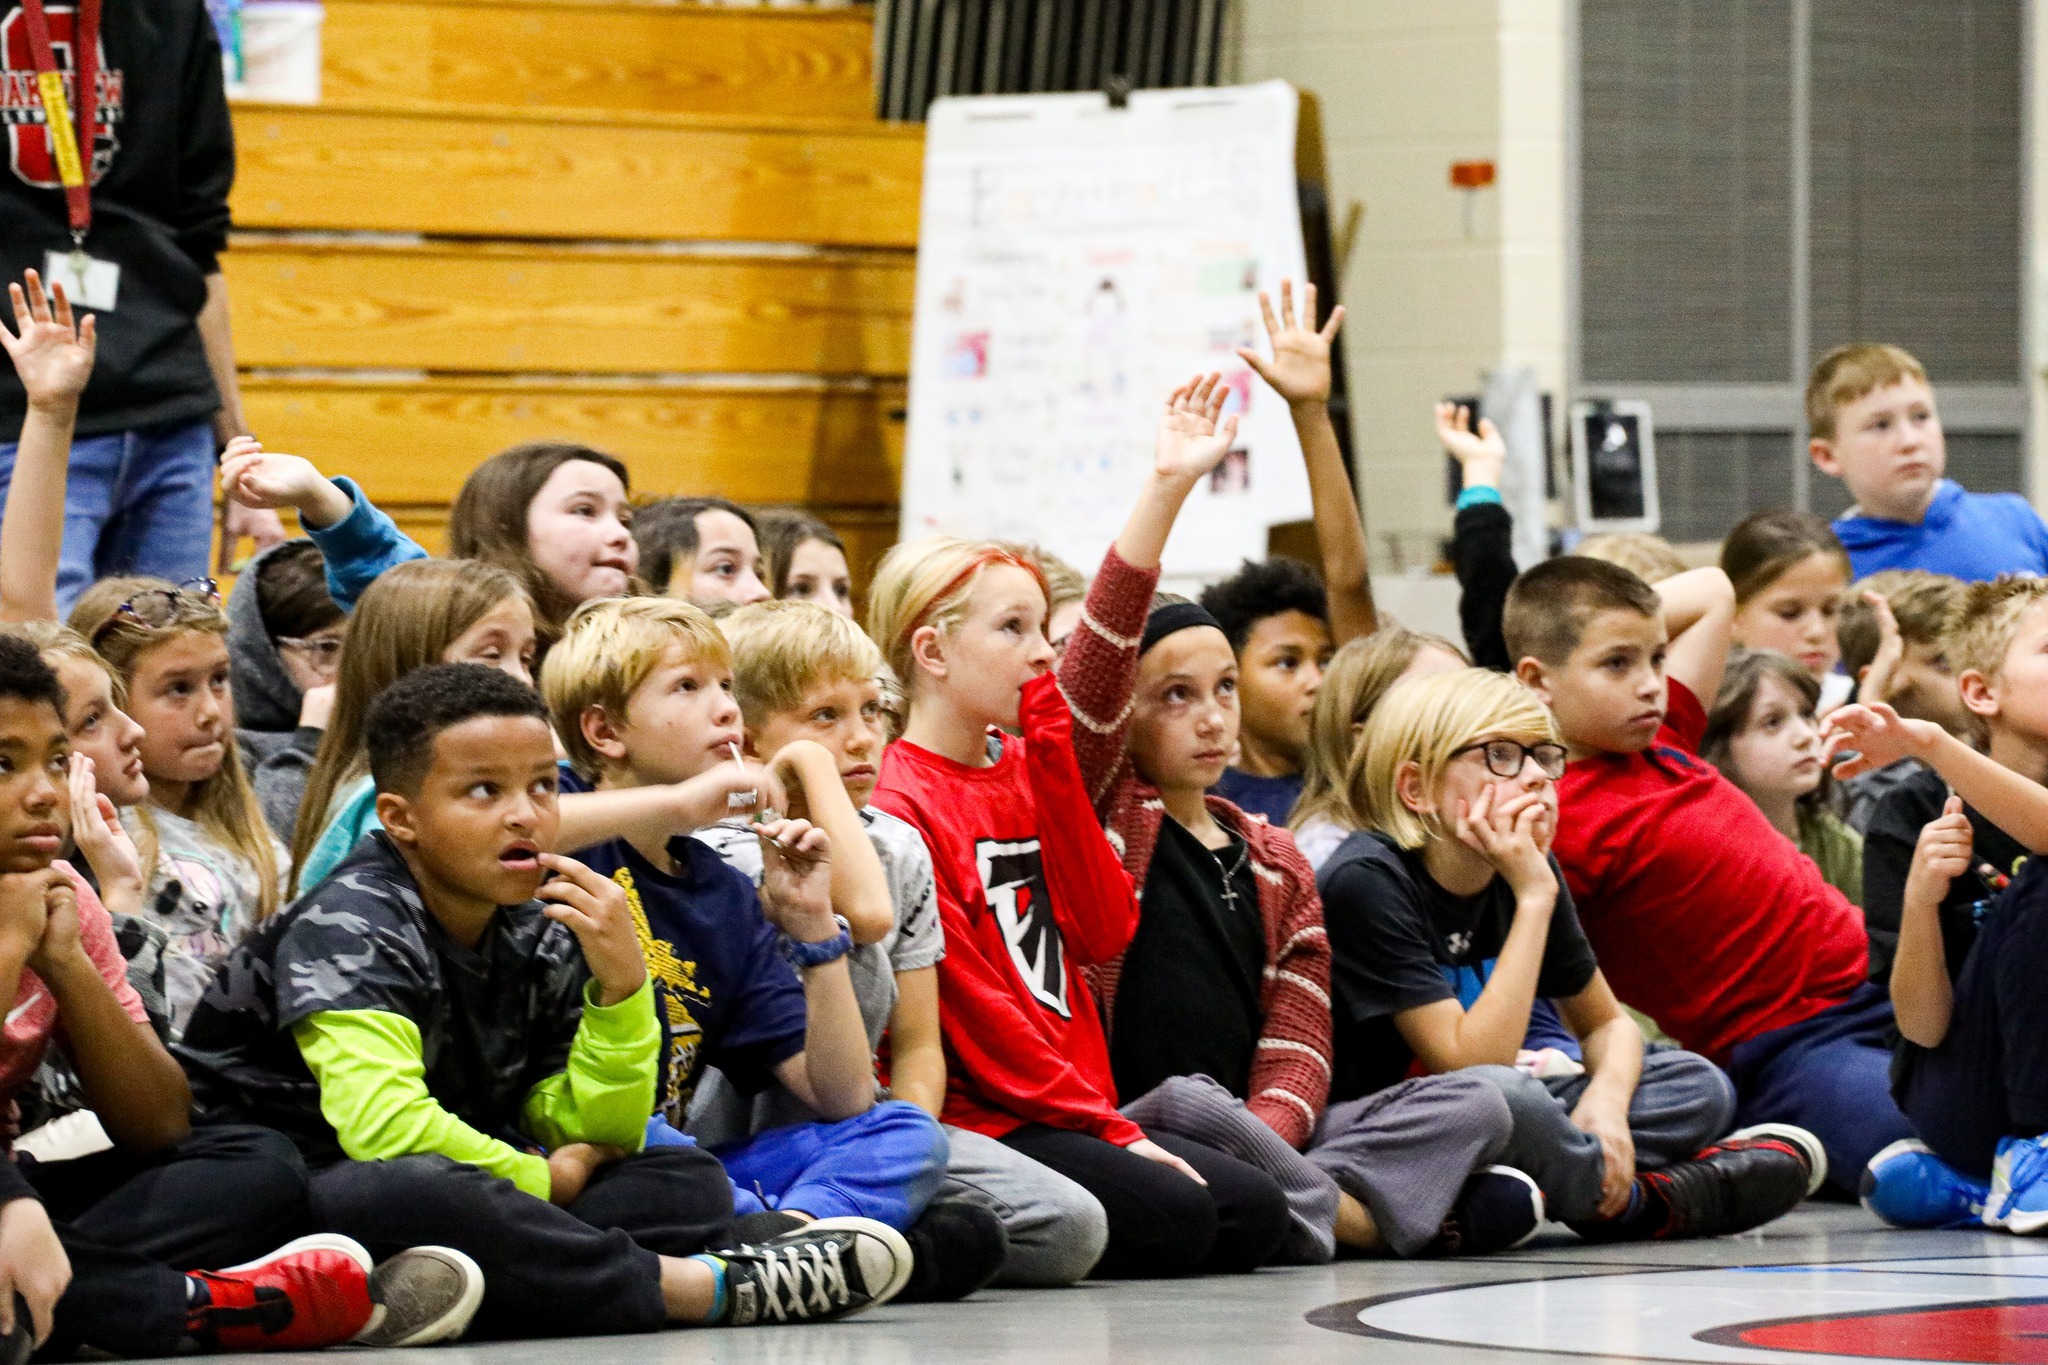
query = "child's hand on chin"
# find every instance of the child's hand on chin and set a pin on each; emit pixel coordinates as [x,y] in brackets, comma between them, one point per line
[595,909]
[796,879]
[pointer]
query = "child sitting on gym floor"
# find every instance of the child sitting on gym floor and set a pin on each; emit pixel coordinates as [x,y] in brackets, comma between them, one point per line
[1964,973]
[1029,888]
[1891,628]
[1788,571]
[805,560]
[1703,916]
[459,1031]
[88,1244]
[802,673]
[756,984]
[1874,426]
[1763,734]
[285,637]
[1449,921]
[1281,619]
[705,551]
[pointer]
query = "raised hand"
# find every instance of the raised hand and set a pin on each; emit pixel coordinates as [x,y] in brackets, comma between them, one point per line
[1876,682]
[1193,434]
[52,356]
[1878,734]
[1484,449]
[252,477]
[596,910]
[1300,368]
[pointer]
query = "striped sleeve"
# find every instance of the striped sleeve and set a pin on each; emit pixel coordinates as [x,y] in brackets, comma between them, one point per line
[1290,1081]
[1100,670]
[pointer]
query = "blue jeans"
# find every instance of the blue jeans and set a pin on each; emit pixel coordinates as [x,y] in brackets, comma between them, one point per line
[885,1164]
[138,502]
[1830,1075]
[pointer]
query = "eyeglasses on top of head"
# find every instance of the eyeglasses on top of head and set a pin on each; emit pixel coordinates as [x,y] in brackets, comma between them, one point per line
[155,608]
[1506,757]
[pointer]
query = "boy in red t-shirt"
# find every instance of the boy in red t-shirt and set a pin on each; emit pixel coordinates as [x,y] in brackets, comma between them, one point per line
[1703,914]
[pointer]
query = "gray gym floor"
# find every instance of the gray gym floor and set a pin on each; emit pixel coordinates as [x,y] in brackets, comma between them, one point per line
[1558,1300]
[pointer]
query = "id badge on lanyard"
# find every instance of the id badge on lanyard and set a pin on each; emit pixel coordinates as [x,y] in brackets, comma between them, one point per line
[86,280]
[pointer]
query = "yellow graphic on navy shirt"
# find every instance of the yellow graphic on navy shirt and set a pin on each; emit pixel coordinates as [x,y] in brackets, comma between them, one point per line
[675,989]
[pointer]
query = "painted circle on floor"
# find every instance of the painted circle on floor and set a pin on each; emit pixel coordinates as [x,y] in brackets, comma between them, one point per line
[1979,1308]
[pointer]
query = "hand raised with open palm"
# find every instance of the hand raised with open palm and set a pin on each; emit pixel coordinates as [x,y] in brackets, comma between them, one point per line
[1300,368]
[1193,433]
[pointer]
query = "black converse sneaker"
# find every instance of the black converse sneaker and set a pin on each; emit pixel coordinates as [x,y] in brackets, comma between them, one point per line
[423,1295]
[825,1270]
[1741,1182]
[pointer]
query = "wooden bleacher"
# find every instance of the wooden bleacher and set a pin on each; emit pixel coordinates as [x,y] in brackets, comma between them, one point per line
[672,232]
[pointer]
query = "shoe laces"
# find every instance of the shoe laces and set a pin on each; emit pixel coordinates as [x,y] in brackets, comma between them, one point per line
[803,1279]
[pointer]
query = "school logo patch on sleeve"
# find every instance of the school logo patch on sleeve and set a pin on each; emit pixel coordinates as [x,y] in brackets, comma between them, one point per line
[1013,879]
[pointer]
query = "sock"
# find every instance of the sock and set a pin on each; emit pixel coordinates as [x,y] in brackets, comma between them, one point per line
[718,1294]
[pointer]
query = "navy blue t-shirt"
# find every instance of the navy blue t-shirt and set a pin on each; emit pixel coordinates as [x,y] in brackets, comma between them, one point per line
[726,995]
[1272,797]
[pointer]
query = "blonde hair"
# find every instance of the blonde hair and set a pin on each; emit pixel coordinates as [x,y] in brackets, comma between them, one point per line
[224,805]
[1357,676]
[408,618]
[1847,373]
[1425,721]
[607,650]
[1063,582]
[1981,630]
[1649,557]
[928,583]
[782,649]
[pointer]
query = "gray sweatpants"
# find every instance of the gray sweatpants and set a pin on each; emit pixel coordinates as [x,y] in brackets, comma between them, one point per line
[1057,1229]
[1682,1103]
[1405,1153]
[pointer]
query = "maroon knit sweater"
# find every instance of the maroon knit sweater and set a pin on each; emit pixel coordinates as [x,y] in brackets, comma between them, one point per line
[1290,1079]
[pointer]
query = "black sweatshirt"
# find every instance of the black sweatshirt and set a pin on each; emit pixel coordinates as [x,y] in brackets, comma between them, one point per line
[164,161]
[1482,553]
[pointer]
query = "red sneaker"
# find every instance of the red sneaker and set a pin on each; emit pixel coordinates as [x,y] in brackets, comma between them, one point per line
[307,1294]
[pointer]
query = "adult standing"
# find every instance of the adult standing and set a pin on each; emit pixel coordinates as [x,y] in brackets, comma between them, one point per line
[126,206]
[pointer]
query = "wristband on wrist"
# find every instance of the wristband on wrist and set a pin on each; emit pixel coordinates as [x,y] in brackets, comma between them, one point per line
[802,955]
[1477,494]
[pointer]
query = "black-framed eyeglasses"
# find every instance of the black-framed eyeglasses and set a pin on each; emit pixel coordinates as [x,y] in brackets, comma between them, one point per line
[321,652]
[1506,757]
[155,608]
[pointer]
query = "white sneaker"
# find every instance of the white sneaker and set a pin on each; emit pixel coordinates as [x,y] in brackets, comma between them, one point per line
[423,1295]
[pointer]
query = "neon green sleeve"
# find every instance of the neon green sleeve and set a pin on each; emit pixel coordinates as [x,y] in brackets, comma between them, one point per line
[605,1093]
[373,1090]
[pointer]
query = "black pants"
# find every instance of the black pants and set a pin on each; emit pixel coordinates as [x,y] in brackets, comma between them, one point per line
[1160,1222]
[132,1223]
[586,1269]
[1989,1077]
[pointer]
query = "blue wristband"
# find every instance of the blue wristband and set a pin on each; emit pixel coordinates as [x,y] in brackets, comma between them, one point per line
[802,955]
[1479,493]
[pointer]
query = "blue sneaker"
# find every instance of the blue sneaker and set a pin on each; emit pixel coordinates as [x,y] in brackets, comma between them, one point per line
[2018,1201]
[1910,1187]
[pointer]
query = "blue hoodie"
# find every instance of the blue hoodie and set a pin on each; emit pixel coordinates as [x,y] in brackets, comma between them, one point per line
[1971,536]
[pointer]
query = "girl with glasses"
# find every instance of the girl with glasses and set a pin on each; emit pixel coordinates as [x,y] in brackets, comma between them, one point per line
[1448,921]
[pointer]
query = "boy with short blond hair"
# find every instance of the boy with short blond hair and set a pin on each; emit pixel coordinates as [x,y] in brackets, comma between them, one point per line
[1873,425]
[756,984]
[1973,1058]
[1702,913]
[801,672]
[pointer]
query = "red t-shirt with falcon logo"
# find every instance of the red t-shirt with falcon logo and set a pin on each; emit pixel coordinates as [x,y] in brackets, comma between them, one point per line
[1024,1040]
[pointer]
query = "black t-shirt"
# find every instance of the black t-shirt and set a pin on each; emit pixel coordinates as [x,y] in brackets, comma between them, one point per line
[494,1020]
[1187,999]
[1888,857]
[163,162]
[1399,941]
